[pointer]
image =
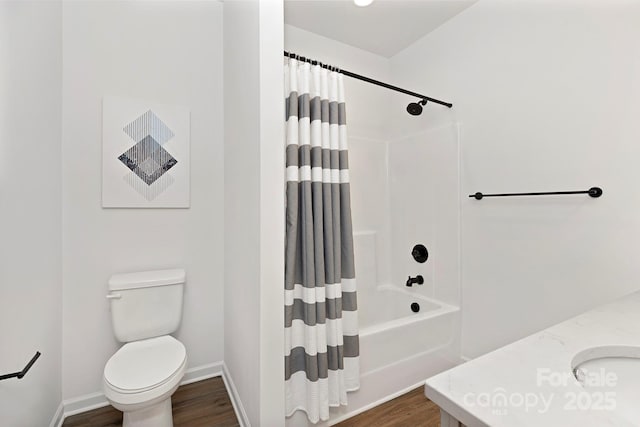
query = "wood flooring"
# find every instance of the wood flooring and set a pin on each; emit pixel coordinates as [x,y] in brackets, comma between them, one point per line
[206,404]
[409,410]
[201,404]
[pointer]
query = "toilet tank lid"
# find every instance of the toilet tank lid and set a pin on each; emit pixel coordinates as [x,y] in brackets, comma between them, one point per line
[145,279]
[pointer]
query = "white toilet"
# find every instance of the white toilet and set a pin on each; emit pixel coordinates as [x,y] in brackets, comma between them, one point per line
[141,376]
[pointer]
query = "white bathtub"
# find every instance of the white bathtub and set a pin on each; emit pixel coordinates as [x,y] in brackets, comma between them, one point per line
[390,306]
[400,349]
[397,334]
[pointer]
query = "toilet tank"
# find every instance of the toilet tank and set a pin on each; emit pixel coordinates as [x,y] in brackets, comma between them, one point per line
[146,304]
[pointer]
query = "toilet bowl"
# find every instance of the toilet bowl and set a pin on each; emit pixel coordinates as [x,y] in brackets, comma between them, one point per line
[141,376]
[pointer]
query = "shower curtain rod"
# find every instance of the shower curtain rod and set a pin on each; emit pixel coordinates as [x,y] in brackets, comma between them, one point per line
[366,79]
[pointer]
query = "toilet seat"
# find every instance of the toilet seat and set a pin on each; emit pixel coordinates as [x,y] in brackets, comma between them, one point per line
[141,366]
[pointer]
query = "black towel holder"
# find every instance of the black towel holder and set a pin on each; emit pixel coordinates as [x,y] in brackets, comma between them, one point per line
[594,192]
[19,375]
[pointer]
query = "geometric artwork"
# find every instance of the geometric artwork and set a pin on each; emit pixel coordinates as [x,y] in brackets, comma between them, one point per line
[145,154]
[148,160]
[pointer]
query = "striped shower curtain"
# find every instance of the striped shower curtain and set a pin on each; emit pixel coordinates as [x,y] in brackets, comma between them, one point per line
[321,323]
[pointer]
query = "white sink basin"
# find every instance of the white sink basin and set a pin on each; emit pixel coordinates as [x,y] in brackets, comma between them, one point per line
[610,377]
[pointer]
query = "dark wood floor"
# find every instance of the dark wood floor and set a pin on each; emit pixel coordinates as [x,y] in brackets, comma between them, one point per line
[202,404]
[409,410]
[206,403]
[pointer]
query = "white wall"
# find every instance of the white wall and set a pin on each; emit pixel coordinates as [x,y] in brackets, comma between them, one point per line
[254,207]
[30,190]
[164,52]
[548,95]
[272,213]
[242,203]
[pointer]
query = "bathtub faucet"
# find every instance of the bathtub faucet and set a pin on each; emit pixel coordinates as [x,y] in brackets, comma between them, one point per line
[418,279]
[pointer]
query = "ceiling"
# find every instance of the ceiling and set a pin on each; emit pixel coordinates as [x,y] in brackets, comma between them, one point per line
[385,27]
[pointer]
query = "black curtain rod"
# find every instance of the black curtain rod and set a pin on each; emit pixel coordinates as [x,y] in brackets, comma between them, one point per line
[593,192]
[366,79]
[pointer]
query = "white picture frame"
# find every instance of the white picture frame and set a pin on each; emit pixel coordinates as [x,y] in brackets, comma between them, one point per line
[145,154]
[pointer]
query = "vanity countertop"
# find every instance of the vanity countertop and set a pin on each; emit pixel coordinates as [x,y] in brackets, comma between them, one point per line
[530,382]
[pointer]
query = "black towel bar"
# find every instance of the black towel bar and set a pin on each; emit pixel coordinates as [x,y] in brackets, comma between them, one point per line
[22,373]
[593,192]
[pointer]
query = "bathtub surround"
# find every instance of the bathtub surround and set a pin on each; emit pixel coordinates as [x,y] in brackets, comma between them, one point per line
[424,192]
[321,319]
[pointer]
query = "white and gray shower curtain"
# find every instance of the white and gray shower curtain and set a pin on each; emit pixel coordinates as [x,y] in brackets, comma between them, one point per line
[321,324]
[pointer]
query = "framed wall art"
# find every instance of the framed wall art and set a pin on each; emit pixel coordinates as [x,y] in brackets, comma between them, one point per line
[145,154]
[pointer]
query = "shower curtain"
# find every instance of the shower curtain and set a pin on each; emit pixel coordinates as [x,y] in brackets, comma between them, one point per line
[321,323]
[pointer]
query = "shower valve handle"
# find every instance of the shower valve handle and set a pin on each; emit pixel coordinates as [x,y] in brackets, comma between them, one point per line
[418,279]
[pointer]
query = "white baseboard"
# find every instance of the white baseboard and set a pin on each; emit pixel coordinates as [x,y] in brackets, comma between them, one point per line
[58,417]
[84,403]
[241,414]
[203,372]
[92,401]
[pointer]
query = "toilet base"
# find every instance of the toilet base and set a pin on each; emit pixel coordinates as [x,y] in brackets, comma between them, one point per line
[157,415]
